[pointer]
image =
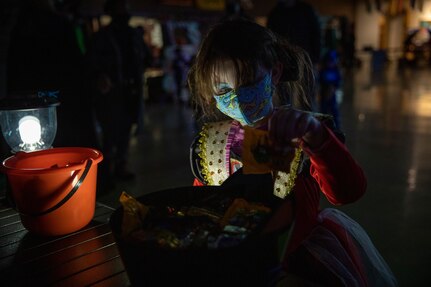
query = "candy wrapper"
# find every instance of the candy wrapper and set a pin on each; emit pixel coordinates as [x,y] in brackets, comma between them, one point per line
[202,224]
[240,205]
[133,216]
[259,155]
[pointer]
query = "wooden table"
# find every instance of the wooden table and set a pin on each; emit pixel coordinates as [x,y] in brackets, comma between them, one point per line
[88,257]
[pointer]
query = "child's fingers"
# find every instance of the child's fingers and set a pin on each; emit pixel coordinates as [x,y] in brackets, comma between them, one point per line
[282,126]
[303,124]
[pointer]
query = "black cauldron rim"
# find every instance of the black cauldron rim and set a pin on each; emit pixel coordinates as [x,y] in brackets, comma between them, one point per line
[250,259]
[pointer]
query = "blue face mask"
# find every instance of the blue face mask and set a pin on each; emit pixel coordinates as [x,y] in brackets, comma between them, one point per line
[247,104]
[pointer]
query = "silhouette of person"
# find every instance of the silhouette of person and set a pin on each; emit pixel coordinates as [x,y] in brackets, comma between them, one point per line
[330,81]
[117,67]
[237,9]
[299,23]
[44,55]
[148,62]
[180,67]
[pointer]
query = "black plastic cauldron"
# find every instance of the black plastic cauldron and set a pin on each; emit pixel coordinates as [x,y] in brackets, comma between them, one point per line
[245,264]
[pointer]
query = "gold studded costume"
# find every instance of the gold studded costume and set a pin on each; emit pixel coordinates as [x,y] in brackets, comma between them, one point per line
[218,159]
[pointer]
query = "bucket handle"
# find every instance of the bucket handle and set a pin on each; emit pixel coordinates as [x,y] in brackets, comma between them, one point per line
[68,196]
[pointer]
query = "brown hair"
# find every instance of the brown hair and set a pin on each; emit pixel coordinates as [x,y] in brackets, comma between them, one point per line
[249,45]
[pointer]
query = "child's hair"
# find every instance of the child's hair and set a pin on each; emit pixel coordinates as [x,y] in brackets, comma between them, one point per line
[249,45]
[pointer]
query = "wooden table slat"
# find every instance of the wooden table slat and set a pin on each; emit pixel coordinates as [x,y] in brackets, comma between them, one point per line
[11,228]
[94,274]
[116,280]
[66,254]
[87,257]
[63,243]
[9,218]
[12,238]
[75,266]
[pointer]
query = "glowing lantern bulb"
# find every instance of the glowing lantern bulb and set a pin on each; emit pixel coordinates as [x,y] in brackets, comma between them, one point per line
[30,129]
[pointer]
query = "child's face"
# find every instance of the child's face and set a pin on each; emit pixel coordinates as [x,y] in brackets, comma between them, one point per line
[247,103]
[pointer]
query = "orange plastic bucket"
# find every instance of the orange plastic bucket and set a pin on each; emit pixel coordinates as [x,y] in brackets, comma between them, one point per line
[54,190]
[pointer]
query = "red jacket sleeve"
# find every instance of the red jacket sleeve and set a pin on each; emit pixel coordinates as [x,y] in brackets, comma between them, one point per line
[339,176]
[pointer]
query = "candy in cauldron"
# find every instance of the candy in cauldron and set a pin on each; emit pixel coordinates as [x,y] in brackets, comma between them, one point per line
[230,257]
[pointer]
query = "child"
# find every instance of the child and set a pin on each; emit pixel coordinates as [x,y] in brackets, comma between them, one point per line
[257,80]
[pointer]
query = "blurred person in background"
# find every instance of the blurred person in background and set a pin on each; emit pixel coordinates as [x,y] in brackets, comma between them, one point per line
[237,9]
[117,57]
[180,67]
[330,85]
[148,62]
[44,56]
[299,23]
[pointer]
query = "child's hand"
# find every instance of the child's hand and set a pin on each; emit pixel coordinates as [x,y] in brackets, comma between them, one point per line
[287,126]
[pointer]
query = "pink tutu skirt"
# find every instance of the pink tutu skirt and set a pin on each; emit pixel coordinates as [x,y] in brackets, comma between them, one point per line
[346,253]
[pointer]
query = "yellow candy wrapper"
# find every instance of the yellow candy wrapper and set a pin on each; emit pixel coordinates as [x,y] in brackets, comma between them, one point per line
[258,155]
[241,204]
[134,214]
